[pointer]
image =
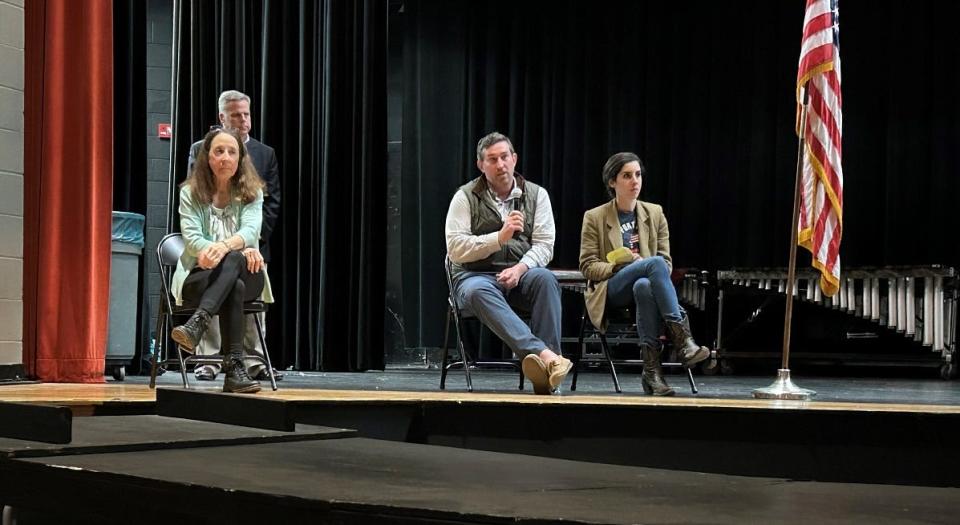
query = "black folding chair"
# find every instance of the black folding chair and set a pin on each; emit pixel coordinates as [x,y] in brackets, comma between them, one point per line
[466,361]
[168,254]
[621,329]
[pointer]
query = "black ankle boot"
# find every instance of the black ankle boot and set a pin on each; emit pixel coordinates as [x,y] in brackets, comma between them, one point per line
[237,380]
[652,378]
[188,334]
[689,352]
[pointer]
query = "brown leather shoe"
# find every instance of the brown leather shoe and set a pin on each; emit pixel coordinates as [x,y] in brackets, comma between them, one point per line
[558,369]
[534,370]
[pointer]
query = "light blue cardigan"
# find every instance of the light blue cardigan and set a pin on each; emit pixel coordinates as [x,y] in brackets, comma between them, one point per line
[194,225]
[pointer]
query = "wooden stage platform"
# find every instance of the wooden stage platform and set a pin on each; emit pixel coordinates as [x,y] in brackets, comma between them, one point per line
[125,397]
[395,449]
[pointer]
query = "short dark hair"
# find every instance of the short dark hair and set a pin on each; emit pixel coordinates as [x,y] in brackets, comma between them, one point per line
[613,166]
[490,140]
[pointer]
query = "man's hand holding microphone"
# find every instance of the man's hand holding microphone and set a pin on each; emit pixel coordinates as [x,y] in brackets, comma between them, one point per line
[512,225]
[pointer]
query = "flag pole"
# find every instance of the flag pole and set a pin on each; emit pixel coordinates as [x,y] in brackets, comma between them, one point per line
[783,387]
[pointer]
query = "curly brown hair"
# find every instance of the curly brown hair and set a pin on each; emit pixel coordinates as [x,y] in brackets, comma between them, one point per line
[244,184]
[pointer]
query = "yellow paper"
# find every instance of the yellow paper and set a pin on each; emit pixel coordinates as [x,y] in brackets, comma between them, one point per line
[621,255]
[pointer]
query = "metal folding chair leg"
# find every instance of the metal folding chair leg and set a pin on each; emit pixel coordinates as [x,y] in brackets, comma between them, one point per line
[266,354]
[464,357]
[155,358]
[605,350]
[606,355]
[580,352]
[161,348]
[466,363]
[446,347]
[693,384]
[183,365]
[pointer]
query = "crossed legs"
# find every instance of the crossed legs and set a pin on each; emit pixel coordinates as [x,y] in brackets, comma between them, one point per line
[538,292]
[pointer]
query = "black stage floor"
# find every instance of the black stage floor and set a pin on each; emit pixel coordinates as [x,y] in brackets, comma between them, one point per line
[358,480]
[877,430]
[926,391]
[867,450]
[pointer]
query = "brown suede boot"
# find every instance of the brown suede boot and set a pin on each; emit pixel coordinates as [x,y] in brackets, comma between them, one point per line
[652,378]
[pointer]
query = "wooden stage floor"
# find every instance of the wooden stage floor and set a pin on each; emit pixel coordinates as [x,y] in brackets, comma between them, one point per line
[929,396]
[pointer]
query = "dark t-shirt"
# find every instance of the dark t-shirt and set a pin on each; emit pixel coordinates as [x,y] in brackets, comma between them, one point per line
[628,229]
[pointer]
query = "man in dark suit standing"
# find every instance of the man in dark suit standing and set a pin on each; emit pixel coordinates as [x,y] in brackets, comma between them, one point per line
[234,114]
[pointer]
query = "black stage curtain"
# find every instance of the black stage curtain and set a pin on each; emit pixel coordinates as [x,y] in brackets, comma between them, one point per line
[129,106]
[130,148]
[704,93]
[316,74]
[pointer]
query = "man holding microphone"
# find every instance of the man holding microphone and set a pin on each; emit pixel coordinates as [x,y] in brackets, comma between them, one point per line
[500,234]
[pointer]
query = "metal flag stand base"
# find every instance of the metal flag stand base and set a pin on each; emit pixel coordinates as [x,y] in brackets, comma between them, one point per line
[783,388]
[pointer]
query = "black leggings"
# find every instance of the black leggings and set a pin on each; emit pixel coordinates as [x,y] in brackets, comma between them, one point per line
[222,290]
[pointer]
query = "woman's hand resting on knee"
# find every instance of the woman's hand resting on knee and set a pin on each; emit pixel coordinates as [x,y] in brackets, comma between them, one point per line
[254,259]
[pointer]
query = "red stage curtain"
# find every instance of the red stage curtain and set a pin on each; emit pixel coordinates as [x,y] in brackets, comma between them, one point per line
[68,173]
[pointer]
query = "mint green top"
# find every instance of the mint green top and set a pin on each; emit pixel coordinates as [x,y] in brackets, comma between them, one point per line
[202,225]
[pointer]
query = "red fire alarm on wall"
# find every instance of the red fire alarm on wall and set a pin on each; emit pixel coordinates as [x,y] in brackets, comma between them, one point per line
[165,130]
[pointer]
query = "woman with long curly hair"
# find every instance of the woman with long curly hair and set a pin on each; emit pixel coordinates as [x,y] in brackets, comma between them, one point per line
[221,267]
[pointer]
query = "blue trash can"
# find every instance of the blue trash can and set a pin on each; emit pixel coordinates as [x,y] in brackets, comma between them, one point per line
[126,250]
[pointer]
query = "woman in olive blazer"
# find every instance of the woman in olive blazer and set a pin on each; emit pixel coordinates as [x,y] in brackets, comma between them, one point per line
[639,278]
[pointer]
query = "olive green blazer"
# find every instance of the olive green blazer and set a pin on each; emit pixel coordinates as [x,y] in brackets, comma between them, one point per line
[601,235]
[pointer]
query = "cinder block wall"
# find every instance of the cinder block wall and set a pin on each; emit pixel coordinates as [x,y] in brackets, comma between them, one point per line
[11,182]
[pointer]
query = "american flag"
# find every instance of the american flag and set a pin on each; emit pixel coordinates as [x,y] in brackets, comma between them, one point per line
[821,193]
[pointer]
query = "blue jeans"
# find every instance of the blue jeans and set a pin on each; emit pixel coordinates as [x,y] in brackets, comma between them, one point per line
[646,283]
[538,292]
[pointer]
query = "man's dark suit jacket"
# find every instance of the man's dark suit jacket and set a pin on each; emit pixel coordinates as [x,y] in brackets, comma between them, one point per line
[265,161]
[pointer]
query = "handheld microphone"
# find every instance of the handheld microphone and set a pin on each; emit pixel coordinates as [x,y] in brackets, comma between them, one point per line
[518,206]
[515,204]
[518,202]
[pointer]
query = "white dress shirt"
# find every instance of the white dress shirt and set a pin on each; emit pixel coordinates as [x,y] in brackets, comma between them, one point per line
[464,247]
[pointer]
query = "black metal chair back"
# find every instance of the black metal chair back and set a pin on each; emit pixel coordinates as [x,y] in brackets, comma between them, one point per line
[169,250]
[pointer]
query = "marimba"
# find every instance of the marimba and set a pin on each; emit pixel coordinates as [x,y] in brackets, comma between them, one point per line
[918,302]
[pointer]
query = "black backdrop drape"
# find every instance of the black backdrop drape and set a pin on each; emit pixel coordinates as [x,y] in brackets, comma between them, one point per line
[129,106]
[704,93]
[316,74]
[129,123]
